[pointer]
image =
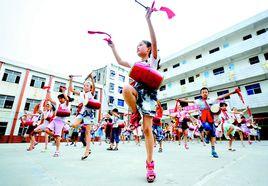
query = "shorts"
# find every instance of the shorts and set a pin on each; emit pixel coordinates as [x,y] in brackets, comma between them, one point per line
[42,127]
[30,130]
[87,116]
[209,127]
[56,126]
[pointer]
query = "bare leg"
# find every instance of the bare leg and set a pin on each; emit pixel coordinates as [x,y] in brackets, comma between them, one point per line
[149,138]
[130,96]
[88,139]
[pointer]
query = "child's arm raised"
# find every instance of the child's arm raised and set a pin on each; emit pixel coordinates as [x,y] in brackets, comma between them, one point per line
[117,57]
[152,33]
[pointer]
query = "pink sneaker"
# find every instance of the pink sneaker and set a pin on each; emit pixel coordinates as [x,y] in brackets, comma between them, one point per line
[250,142]
[151,175]
[186,146]
[134,120]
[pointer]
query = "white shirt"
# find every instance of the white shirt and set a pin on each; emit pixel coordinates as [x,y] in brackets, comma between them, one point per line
[82,97]
[202,105]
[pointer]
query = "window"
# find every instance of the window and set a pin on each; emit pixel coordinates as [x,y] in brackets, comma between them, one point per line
[111,100]
[164,106]
[191,79]
[30,104]
[121,78]
[182,81]
[96,95]
[254,60]
[162,88]
[120,90]
[262,31]
[247,37]
[11,76]
[37,82]
[112,74]
[198,56]
[197,97]
[120,102]
[218,71]
[165,70]
[111,87]
[79,89]
[223,92]
[214,50]
[6,101]
[73,109]
[253,89]
[266,56]
[3,127]
[176,65]
[57,86]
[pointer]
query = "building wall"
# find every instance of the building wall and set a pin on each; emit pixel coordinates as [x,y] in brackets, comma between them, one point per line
[106,79]
[233,55]
[11,116]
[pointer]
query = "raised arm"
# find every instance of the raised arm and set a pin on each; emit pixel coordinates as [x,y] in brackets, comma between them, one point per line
[185,100]
[117,57]
[71,88]
[93,84]
[225,95]
[152,33]
[49,98]
[65,96]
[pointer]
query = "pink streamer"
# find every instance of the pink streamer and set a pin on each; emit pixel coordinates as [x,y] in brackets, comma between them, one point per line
[108,39]
[168,11]
[238,91]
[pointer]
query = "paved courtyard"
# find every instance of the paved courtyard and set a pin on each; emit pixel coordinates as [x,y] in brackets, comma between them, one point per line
[175,165]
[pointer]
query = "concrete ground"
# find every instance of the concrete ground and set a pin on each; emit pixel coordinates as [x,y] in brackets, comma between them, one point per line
[174,166]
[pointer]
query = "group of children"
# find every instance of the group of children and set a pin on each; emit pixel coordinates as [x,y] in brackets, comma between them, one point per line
[50,116]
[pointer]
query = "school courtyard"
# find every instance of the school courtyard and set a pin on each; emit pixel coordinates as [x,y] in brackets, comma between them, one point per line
[175,165]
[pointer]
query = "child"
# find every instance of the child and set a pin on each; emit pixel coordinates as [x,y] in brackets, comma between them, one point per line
[206,116]
[115,130]
[85,114]
[139,98]
[182,119]
[228,129]
[48,117]
[157,126]
[55,127]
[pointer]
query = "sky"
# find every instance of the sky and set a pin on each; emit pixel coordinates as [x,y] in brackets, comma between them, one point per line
[52,34]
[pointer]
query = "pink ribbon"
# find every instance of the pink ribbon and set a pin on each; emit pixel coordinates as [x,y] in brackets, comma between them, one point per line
[107,39]
[238,91]
[168,11]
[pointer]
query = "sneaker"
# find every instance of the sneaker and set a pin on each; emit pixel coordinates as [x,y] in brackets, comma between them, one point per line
[134,120]
[214,154]
[151,175]
[186,146]
[160,150]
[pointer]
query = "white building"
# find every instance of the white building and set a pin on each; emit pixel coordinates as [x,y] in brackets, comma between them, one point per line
[112,77]
[237,56]
[21,89]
